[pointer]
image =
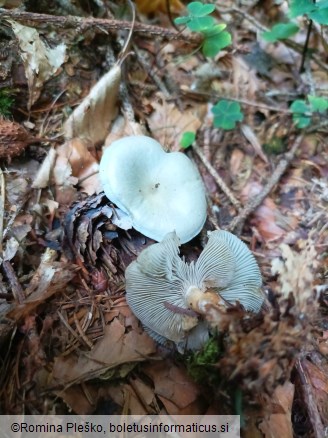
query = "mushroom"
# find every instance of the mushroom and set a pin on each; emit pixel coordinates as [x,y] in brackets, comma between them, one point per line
[161,192]
[169,296]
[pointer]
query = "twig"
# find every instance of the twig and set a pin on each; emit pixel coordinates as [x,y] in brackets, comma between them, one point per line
[309,398]
[216,176]
[169,14]
[151,72]
[16,288]
[237,223]
[235,99]
[81,332]
[250,18]
[96,24]
[318,127]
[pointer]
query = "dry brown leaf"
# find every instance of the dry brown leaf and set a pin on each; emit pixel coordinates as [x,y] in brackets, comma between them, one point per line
[116,348]
[75,162]
[151,6]
[266,217]
[252,138]
[136,397]
[40,61]
[121,128]
[278,425]
[68,164]
[246,83]
[50,277]
[174,387]
[167,123]
[75,397]
[92,118]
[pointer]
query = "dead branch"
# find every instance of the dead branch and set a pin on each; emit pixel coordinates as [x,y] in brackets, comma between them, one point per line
[16,288]
[215,97]
[238,222]
[99,25]
[216,177]
[309,399]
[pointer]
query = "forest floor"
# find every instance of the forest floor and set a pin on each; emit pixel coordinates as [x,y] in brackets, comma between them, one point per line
[69,342]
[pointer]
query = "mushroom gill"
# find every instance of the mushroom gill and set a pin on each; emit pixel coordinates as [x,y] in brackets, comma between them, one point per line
[170,296]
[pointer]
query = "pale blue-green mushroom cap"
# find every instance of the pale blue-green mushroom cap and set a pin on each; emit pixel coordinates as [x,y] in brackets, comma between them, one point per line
[160,191]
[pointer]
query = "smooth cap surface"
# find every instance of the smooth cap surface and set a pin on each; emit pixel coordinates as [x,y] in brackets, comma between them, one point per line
[162,192]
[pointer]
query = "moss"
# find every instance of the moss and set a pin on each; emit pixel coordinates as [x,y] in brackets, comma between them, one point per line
[200,364]
[6,102]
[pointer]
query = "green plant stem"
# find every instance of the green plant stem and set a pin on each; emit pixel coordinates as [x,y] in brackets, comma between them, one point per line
[305,47]
[169,14]
[289,43]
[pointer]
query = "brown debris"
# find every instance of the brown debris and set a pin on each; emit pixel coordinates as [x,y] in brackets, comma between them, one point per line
[13,139]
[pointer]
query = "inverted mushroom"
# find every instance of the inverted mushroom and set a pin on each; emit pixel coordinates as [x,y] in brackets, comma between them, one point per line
[161,192]
[169,296]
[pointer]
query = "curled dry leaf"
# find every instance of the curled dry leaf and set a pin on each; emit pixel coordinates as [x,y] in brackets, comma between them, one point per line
[92,118]
[278,423]
[252,138]
[50,277]
[19,232]
[266,217]
[68,164]
[43,175]
[74,162]
[40,61]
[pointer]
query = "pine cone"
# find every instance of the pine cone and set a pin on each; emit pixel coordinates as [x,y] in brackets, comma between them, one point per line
[13,139]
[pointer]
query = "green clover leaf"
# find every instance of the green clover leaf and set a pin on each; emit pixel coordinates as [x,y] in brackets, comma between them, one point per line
[280,31]
[226,114]
[198,19]
[301,113]
[320,15]
[300,7]
[187,139]
[215,40]
[319,104]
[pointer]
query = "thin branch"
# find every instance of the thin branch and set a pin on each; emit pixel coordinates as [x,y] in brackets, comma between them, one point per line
[190,93]
[16,288]
[96,24]
[237,223]
[216,177]
[309,398]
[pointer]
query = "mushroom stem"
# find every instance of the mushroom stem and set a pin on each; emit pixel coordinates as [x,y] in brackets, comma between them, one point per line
[199,301]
